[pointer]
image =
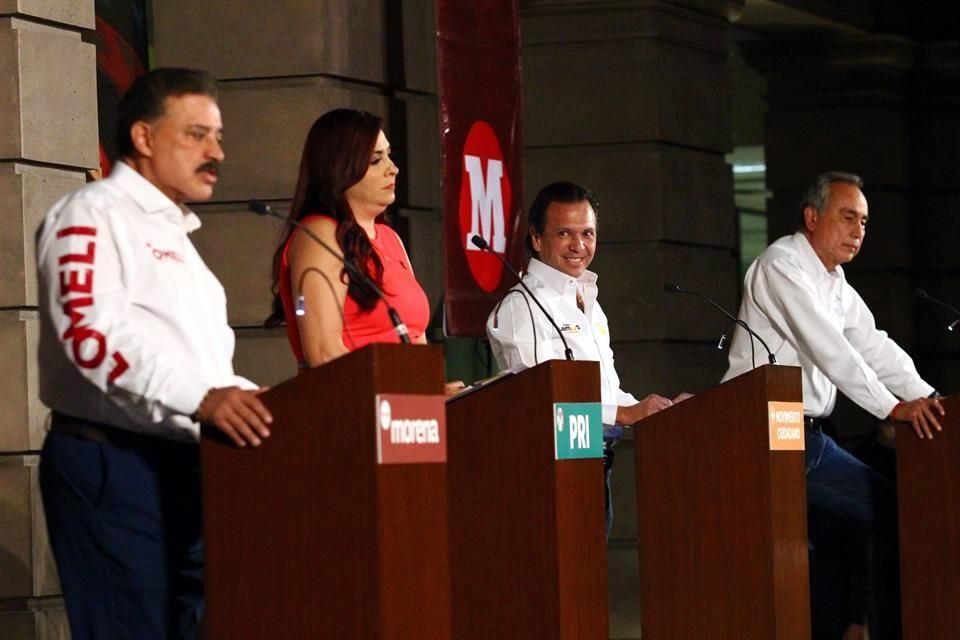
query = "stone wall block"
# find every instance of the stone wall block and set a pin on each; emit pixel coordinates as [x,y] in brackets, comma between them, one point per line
[562,87]
[935,149]
[76,13]
[264,356]
[669,368]
[426,251]
[623,578]
[22,422]
[698,204]
[33,619]
[10,90]
[50,115]
[29,191]
[269,39]
[16,532]
[646,191]
[418,28]
[27,568]
[833,139]
[266,123]
[626,179]
[414,131]
[889,296]
[929,217]
[549,22]
[636,304]
[238,247]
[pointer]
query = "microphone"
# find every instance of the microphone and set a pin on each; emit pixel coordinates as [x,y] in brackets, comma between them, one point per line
[263,209]
[670,287]
[480,243]
[923,295]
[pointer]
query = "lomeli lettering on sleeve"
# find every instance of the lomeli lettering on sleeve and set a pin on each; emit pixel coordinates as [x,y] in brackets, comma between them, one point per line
[76,276]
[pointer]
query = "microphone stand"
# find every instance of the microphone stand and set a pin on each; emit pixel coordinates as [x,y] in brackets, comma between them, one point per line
[263,209]
[923,295]
[670,287]
[480,243]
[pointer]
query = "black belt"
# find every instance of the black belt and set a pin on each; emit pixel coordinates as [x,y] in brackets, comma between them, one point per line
[817,423]
[107,434]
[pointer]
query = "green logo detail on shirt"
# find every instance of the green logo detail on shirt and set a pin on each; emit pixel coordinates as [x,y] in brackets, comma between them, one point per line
[577,430]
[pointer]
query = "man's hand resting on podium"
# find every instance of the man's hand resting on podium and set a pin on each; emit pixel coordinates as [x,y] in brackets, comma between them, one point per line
[647,407]
[237,412]
[921,414]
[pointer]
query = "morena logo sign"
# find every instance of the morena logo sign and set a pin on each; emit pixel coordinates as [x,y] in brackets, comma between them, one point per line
[485,199]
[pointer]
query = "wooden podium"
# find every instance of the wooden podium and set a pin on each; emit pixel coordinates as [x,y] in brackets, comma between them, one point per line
[307,536]
[722,517]
[928,488]
[527,544]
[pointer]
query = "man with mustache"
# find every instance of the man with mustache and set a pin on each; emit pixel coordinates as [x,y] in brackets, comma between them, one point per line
[797,298]
[135,352]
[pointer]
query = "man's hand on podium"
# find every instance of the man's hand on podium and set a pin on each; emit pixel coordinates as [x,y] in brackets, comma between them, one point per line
[237,412]
[453,388]
[646,407]
[921,414]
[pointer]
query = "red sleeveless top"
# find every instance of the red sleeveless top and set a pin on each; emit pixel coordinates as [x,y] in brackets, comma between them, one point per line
[360,327]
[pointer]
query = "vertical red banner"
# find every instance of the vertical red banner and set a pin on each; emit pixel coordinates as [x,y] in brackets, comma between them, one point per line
[478,55]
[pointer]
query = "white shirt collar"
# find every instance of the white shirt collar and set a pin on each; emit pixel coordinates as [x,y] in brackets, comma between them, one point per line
[558,280]
[149,198]
[810,261]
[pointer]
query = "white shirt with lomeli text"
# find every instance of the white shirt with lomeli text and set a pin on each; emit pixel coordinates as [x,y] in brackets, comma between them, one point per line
[133,325]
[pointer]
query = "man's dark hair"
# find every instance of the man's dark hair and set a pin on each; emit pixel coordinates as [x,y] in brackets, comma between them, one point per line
[146,98]
[818,193]
[563,192]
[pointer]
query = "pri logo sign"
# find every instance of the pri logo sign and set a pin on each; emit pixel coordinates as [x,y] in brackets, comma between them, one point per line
[485,199]
[577,430]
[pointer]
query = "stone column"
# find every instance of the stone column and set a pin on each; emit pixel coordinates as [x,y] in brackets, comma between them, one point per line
[888,109]
[48,138]
[632,99]
[280,65]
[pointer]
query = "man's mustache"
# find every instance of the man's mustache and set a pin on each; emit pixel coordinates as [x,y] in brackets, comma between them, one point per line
[213,166]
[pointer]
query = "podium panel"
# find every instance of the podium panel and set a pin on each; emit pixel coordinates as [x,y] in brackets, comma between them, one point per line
[722,516]
[307,536]
[527,541]
[928,489]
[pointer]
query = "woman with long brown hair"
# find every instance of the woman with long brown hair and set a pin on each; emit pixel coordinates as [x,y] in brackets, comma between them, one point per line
[347,179]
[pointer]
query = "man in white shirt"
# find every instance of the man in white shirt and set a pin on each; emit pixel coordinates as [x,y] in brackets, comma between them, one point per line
[561,241]
[797,298]
[135,352]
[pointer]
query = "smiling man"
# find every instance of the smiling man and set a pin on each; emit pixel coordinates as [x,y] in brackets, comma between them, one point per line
[562,240]
[797,298]
[135,351]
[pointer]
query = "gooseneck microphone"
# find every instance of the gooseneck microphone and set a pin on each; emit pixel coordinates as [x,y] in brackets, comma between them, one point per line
[480,243]
[923,295]
[670,287]
[263,209]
